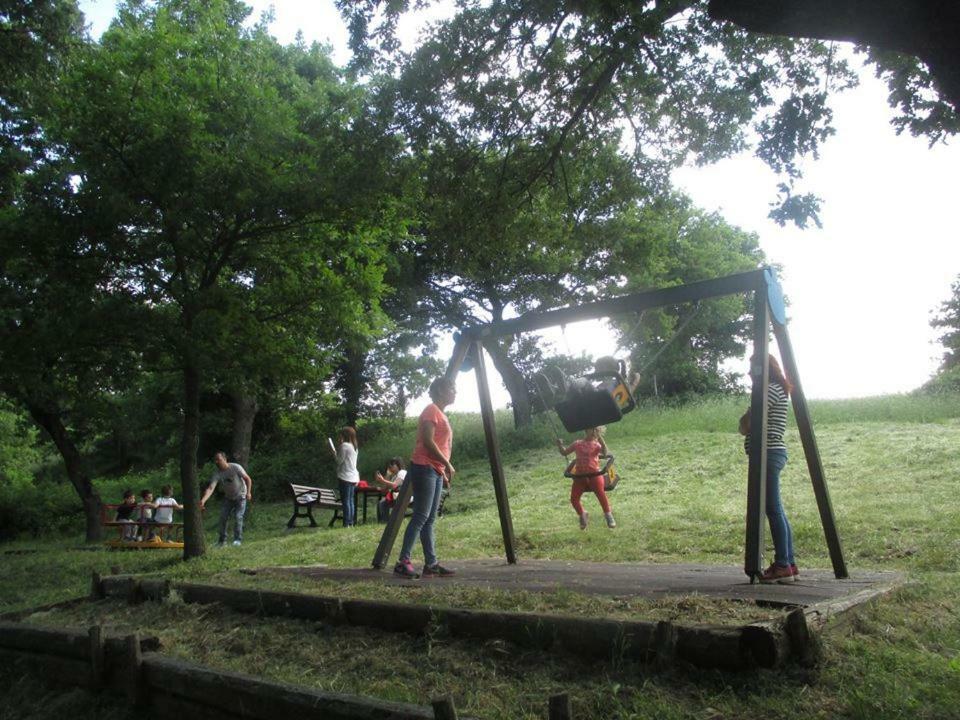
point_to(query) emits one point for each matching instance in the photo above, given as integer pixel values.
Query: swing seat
(589, 408)
(610, 476)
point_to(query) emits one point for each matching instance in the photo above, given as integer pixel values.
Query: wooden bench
(160, 532)
(305, 498)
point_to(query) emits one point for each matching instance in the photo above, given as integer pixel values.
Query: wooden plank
(443, 708)
(98, 665)
(64, 643)
(389, 537)
(250, 697)
(559, 708)
(691, 292)
(811, 453)
(66, 671)
(757, 471)
(133, 667)
(493, 453)
(260, 602)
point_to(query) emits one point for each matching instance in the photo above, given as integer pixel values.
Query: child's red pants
(593, 484)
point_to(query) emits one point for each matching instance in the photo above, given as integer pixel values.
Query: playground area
(812, 588)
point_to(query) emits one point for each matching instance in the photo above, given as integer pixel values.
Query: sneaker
(437, 570)
(583, 520)
(237, 543)
(611, 523)
(795, 571)
(404, 568)
(777, 574)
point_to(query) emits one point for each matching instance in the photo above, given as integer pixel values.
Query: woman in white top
(347, 475)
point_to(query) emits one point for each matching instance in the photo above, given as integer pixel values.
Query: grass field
(892, 465)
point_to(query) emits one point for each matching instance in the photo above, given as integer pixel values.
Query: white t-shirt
(347, 464)
(164, 513)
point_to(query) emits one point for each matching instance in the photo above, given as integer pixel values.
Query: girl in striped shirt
(783, 569)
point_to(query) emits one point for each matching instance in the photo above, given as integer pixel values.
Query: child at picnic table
(391, 483)
(145, 515)
(125, 514)
(588, 451)
(162, 509)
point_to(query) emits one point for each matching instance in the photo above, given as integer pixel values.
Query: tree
(691, 88)
(246, 188)
(555, 74)
(682, 245)
(914, 44)
(948, 320)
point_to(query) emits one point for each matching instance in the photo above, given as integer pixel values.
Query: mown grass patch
(891, 465)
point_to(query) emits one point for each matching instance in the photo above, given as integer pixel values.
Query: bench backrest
(304, 494)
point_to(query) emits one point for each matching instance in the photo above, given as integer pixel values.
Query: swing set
(600, 405)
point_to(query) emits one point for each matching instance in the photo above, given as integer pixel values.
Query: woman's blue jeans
(779, 525)
(427, 483)
(348, 497)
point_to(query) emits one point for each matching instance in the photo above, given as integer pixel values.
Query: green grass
(891, 464)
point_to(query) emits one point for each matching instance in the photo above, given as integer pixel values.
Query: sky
(862, 289)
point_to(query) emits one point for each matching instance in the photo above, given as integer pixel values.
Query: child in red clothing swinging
(588, 450)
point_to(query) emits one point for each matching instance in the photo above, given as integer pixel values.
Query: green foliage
(947, 319)
(554, 75)
(19, 454)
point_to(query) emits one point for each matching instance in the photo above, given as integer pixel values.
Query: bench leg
(336, 516)
(313, 523)
(293, 518)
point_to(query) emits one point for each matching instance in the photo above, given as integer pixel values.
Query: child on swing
(588, 450)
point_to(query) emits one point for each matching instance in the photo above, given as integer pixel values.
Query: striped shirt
(776, 418)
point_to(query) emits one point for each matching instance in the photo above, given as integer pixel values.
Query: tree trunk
(50, 421)
(193, 540)
(351, 381)
(245, 409)
(514, 381)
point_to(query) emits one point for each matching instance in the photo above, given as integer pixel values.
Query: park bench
(162, 535)
(305, 498)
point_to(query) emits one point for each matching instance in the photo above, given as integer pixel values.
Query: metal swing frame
(762, 283)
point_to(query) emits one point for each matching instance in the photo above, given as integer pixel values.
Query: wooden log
(65, 670)
(96, 586)
(388, 616)
(691, 292)
(249, 697)
(559, 708)
(155, 589)
(116, 586)
(804, 644)
(443, 708)
(134, 591)
(272, 604)
(757, 465)
(62, 643)
(711, 647)
(765, 644)
(493, 453)
(98, 665)
(133, 663)
(524, 629)
(837, 609)
(812, 453)
(665, 644)
(17, 615)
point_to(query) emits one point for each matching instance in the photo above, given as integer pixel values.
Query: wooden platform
(815, 587)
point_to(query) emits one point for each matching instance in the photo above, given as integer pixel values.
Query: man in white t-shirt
(237, 492)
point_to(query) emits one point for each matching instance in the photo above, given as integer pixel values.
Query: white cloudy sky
(861, 288)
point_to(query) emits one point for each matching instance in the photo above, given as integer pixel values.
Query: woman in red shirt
(429, 469)
(588, 450)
